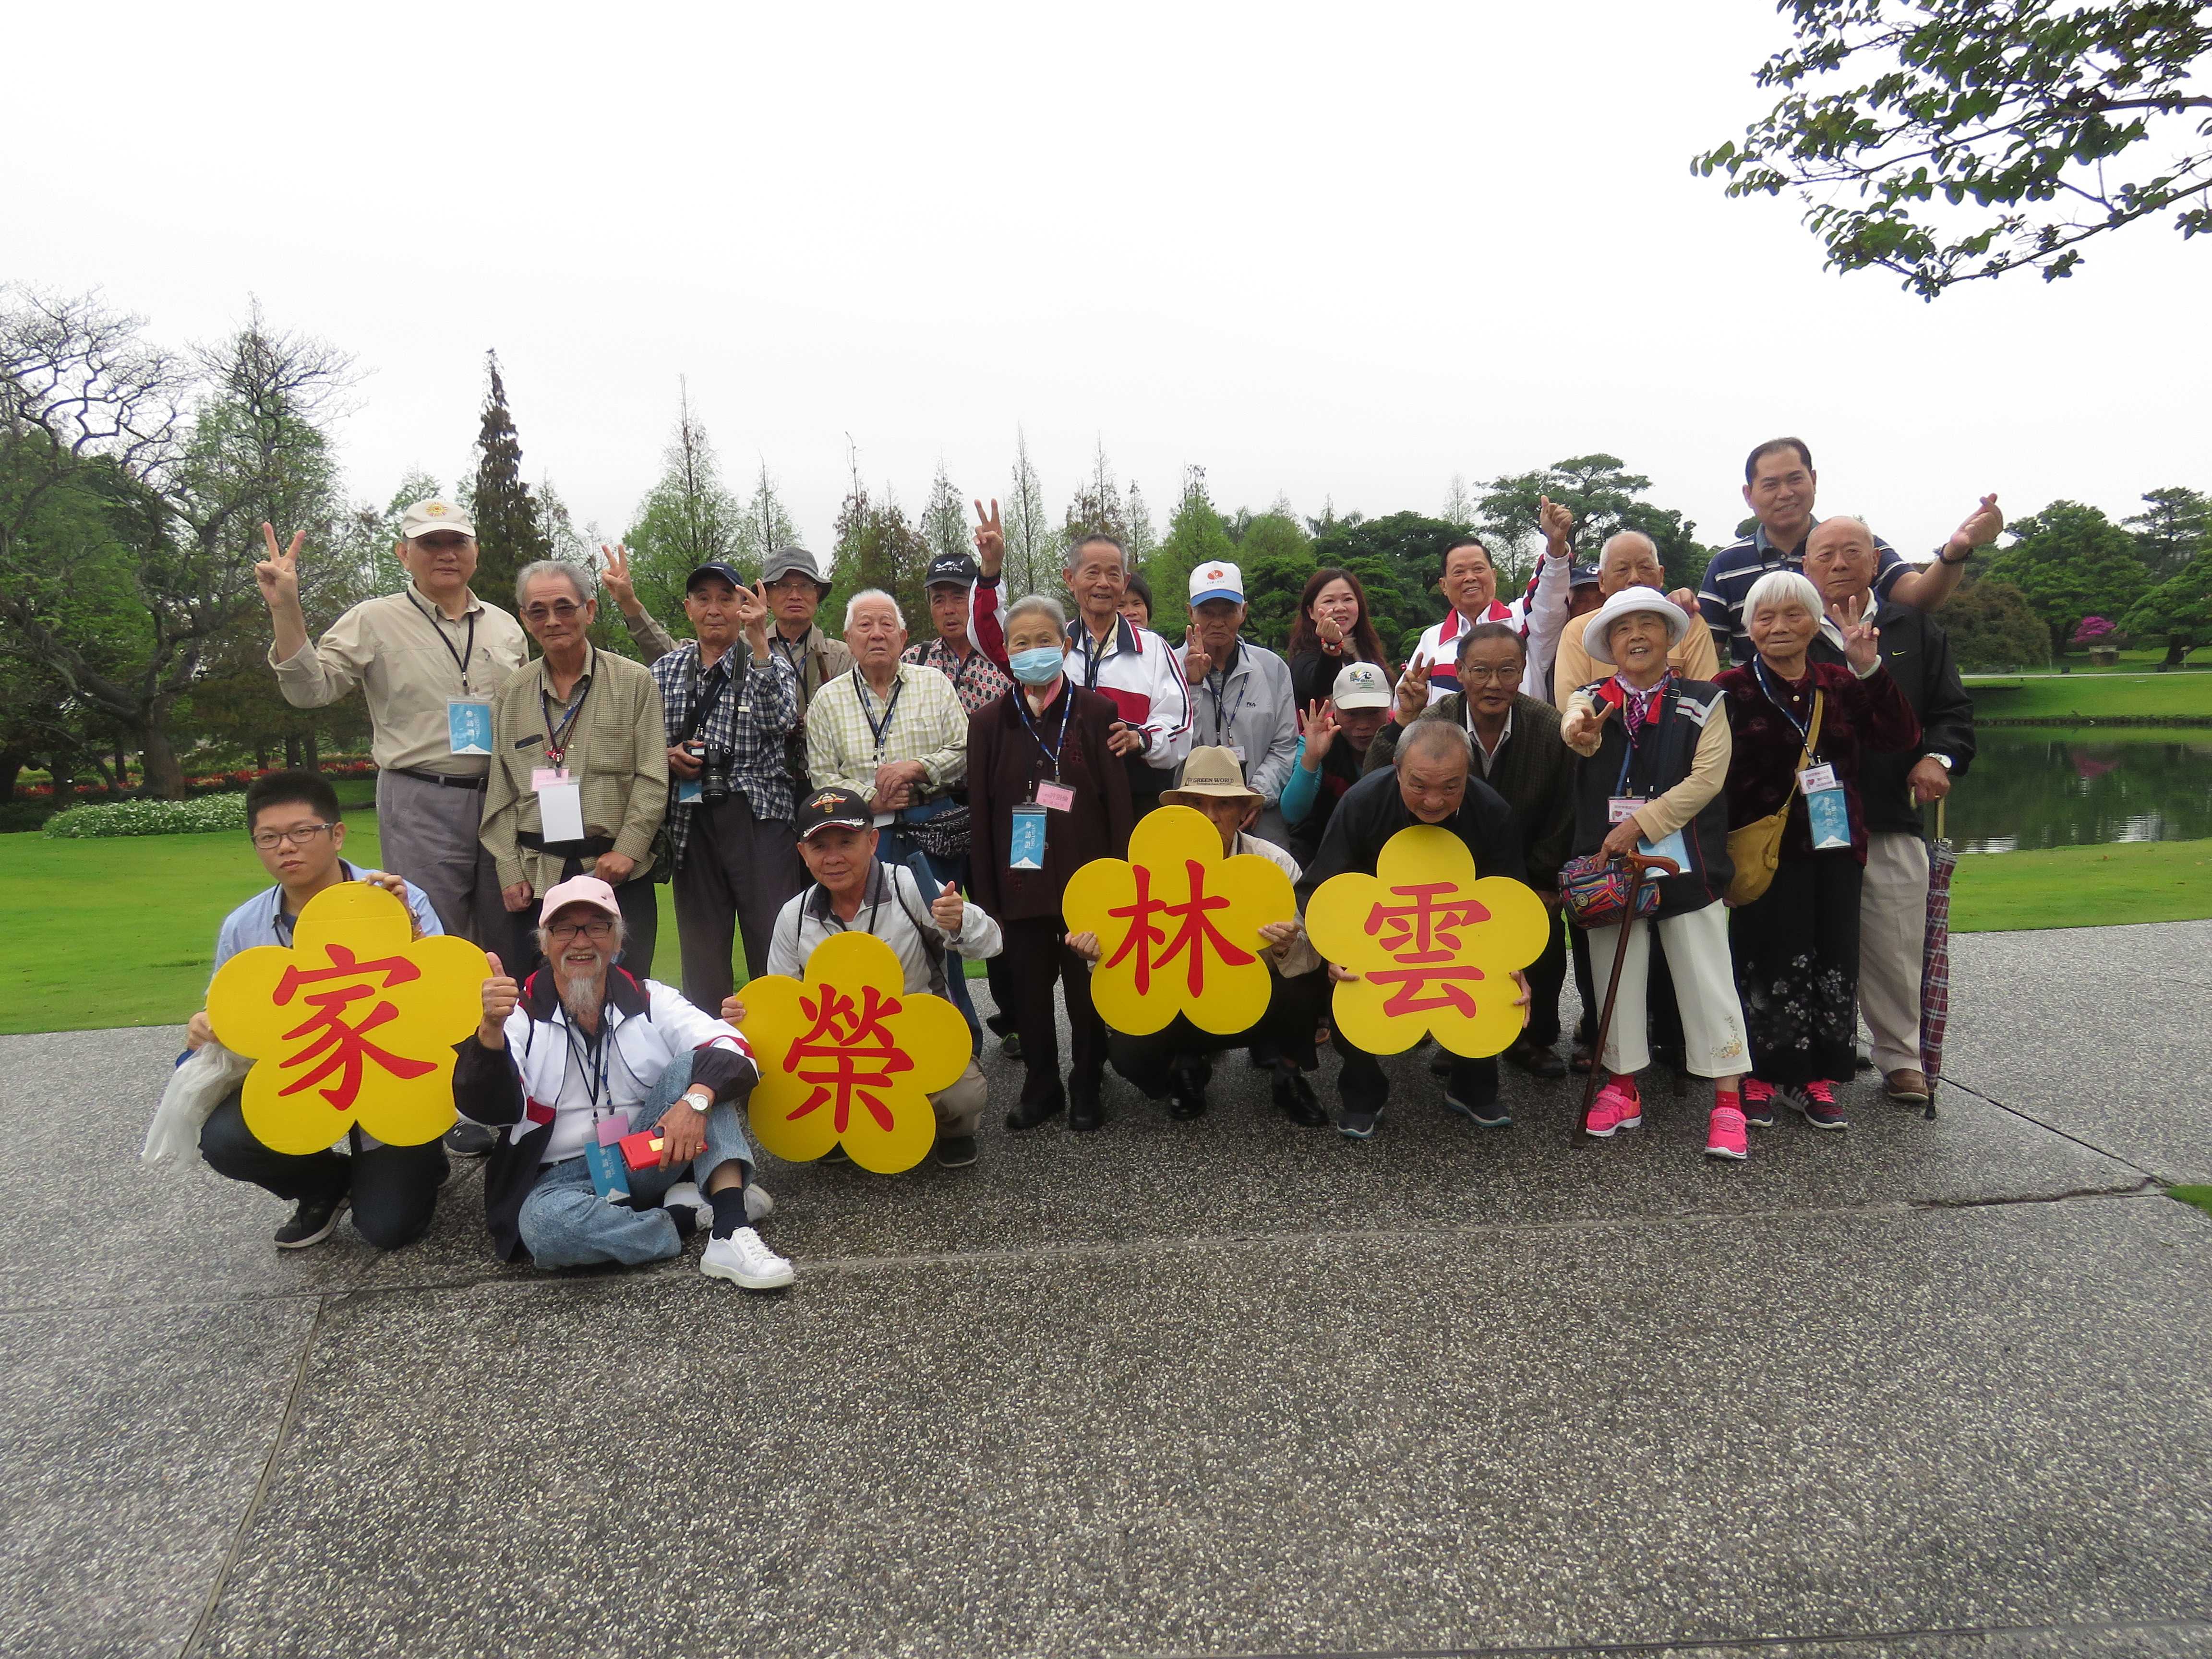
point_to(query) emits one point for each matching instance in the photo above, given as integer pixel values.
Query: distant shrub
(198, 815)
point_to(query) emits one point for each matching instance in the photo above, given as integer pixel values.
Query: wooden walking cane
(1639, 866)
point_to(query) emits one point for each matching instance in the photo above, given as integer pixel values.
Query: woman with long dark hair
(1332, 629)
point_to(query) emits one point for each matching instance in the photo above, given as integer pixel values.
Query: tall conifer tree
(509, 532)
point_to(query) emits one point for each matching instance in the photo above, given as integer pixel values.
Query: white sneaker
(742, 1258)
(686, 1196)
(758, 1205)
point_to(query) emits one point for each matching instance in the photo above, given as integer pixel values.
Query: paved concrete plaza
(1223, 1388)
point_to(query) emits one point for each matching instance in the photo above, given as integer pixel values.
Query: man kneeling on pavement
(1176, 1063)
(854, 892)
(582, 1054)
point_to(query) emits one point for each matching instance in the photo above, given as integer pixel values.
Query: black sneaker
(1010, 1044)
(1186, 1092)
(1442, 1061)
(1492, 1116)
(1294, 1099)
(467, 1139)
(311, 1223)
(1354, 1125)
(1085, 1115)
(956, 1152)
(1536, 1059)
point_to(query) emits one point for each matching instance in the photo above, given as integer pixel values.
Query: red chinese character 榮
(861, 1054)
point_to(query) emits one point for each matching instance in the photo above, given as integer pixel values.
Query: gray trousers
(430, 835)
(738, 872)
(1893, 946)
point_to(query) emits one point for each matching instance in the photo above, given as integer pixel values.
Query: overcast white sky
(1325, 251)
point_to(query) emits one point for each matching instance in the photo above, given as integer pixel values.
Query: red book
(642, 1150)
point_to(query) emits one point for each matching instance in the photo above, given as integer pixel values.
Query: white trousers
(1892, 947)
(1697, 946)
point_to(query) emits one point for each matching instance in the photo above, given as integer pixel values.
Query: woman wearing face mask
(1796, 946)
(1045, 795)
(1332, 631)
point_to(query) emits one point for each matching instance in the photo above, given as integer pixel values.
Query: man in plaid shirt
(729, 806)
(975, 677)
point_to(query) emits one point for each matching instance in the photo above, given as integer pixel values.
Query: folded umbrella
(1935, 961)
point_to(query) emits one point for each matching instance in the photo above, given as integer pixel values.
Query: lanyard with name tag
(468, 726)
(559, 802)
(1025, 844)
(1827, 813)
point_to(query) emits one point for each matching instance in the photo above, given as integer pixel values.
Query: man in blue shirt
(1778, 486)
(294, 820)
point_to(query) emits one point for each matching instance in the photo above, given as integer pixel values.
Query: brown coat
(1005, 764)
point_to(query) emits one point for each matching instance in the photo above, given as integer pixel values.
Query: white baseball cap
(1217, 582)
(427, 518)
(1361, 685)
(1628, 603)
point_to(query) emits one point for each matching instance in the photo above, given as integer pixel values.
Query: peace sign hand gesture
(1861, 639)
(616, 578)
(990, 540)
(1413, 690)
(1317, 725)
(279, 573)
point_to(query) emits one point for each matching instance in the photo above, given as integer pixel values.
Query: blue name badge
(687, 791)
(1830, 818)
(468, 726)
(610, 1180)
(1025, 846)
(1675, 847)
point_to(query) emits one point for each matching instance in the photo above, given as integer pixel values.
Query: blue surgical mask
(1037, 667)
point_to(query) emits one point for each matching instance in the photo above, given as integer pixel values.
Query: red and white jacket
(1537, 620)
(1136, 671)
(537, 1089)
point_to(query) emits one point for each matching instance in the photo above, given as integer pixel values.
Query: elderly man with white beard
(581, 1054)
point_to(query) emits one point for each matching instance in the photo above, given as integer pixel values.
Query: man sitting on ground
(854, 891)
(1176, 1063)
(583, 1053)
(293, 820)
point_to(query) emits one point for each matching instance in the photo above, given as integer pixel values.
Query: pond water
(2043, 786)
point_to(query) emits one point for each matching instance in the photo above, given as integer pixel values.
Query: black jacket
(1372, 811)
(1534, 773)
(1918, 654)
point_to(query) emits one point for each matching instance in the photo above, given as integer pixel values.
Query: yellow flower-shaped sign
(850, 1057)
(1435, 948)
(356, 1022)
(1179, 926)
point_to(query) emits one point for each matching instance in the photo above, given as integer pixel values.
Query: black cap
(715, 568)
(825, 807)
(958, 569)
(1582, 575)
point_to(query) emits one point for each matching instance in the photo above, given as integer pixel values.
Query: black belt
(589, 847)
(440, 778)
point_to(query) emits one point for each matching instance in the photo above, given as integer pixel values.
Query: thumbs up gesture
(948, 909)
(501, 993)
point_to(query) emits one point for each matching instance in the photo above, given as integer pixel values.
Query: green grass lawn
(2062, 697)
(123, 930)
(2083, 886)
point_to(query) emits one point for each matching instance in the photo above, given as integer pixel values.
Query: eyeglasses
(793, 584)
(537, 613)
(270, 840)
(1505, 675)
(562, 932)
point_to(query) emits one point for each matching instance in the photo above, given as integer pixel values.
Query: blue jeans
(895, 847)
(566, 1223)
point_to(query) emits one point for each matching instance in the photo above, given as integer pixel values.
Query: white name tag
(560, 803)
(1814, 778)
(1621, 808)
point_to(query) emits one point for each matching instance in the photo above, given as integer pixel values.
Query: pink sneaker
(1725, 1136)
(1615, 1108)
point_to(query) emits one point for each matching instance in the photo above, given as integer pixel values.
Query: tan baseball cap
(1211, 772)
(427, 518)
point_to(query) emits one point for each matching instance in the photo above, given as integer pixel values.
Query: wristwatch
(703, 1107)
(1943, 761)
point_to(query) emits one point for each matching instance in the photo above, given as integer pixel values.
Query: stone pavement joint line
(277, 1445)
(1949, 1082)
(1728, 1644)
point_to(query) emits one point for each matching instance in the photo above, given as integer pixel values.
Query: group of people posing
(941, 795)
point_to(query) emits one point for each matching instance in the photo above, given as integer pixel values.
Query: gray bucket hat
(785, 560)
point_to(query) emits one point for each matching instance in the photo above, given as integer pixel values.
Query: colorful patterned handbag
(1595, 890)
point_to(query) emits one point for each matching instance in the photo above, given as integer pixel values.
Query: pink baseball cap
(579, 889)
